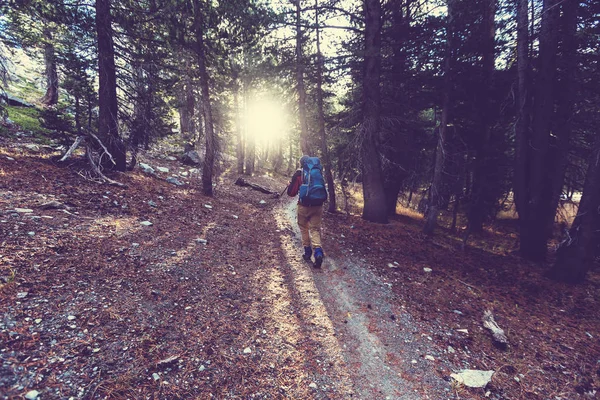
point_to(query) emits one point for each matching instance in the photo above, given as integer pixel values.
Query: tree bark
(522, 125)
(321, 118)
(576, 254)
(187, 104)
(534, 222)
(238, 122)
(374, 209)
(559, 149)
(108, 128)
(304, 138)
(480, 203)
(51, 96)
(250, 154)
(208, 168)
(440, 153)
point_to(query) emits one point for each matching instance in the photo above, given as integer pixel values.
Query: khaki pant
(309, 221)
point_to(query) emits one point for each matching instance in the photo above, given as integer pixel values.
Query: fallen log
(242, 182)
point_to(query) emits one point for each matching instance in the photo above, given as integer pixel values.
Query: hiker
(308, 182)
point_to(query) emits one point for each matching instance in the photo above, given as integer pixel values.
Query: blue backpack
(312, 190)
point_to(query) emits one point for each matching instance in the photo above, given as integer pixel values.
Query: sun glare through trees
(266, 121)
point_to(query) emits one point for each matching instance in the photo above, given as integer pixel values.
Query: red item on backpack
(295, 183)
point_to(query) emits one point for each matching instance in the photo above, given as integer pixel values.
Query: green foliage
(28, 119)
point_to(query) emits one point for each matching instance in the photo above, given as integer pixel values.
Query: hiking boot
(307, 253)
(318, 257)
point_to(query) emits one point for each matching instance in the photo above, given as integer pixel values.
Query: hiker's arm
(294, 185)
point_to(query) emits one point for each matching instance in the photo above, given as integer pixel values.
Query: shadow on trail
(355, 320)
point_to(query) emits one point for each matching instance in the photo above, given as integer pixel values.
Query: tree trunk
(534, 222)
(321, 118)
(522, 125)
(576, 254)
(374, 209)
(187, 104)
(51, 96)
(559, 150)
(238, 123)
(250, 154)
(401, 148)
(77, 115)
(108, 128)
(440, 152)
(304, 138)
(480, 203)
(208, 168)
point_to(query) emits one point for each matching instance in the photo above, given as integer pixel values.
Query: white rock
(247, 350)
(427, 270)
(22, 295)
(71, 317)
(235, 216)
(171, 158)
(146, 168)
(430, 358)
(202, 368)
(146, 223)
(451, 349)
(202, 241)
(38, 320)
(10, 158)
(155, 376)
(135, 245)
(413, 361)
(32, 394)
(183, 173)
(95, 350)
(390, 265)
(465, 331)
(163, 169)
(473, 378)
(23, 210)
(208, 206)
(262, 202)
(174, 181)
(313, 385)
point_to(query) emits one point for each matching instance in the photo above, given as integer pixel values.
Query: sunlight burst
(266, 121)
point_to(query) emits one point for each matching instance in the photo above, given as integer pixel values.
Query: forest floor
(212, 300)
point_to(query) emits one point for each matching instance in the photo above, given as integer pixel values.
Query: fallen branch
(73, 147)
(242, 182)
(112, 160)
(97, 170)
(497, 333)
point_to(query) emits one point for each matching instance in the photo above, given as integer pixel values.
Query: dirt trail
(211, 300)
(376, 338)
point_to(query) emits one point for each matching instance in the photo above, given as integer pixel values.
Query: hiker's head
(303, 159)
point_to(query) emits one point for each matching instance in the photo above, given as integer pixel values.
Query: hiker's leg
(303, 224)
(316, 215)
